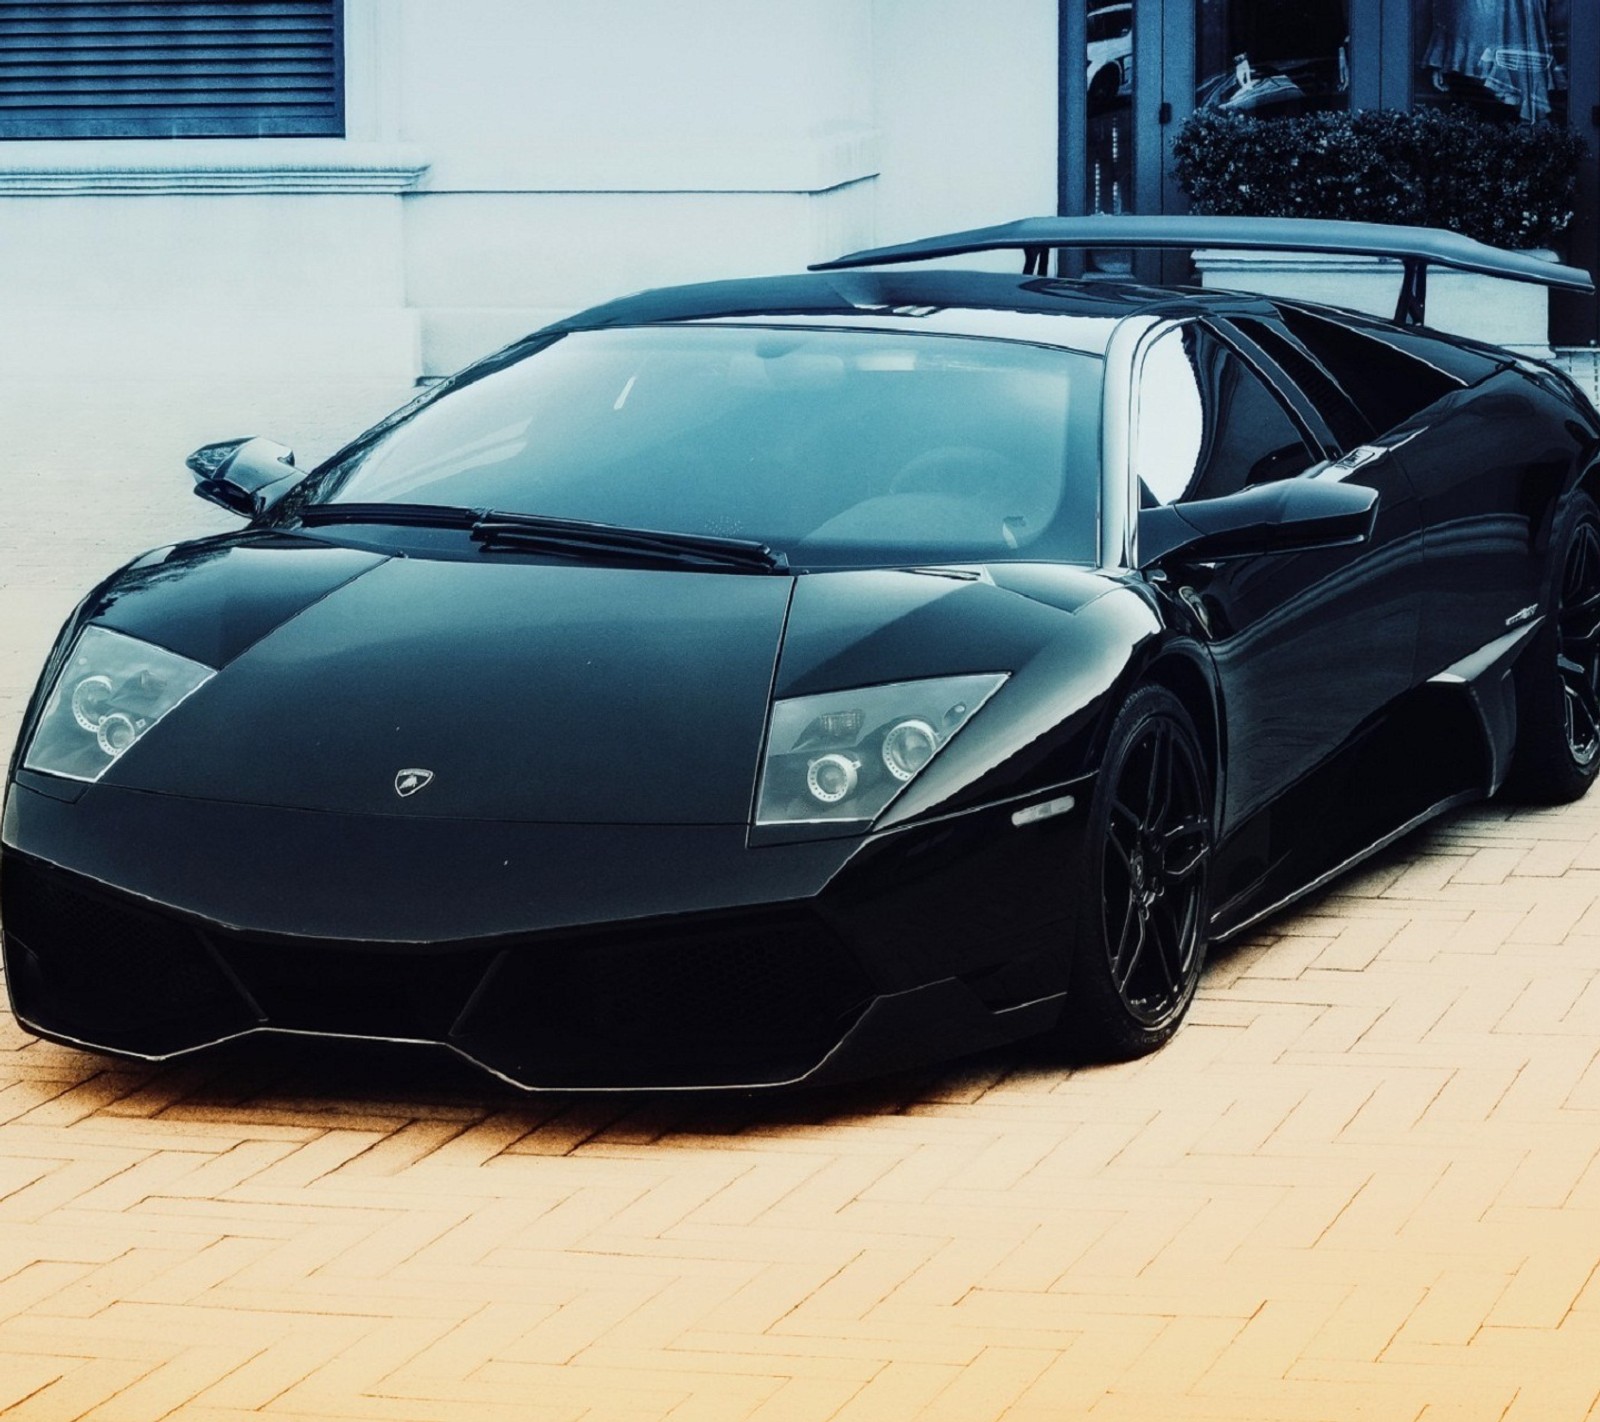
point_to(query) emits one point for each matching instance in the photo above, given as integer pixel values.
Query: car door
(1488, 453)
(1308, 646)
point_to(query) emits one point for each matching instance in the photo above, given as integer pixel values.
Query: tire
(1142, 884)
(1557, 754)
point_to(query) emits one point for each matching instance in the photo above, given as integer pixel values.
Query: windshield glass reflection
(836, 446)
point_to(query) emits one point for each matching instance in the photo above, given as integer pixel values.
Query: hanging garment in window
(1502, 44)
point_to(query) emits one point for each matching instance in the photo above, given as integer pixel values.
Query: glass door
(1111, 64)
(1108, 128)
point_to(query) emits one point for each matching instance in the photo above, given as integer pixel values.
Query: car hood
(518, 690)
(527, 690)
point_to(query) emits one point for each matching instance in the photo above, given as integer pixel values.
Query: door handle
(1364, 454)
(1361, 455)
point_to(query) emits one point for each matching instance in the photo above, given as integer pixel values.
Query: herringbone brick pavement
(1364, 1182)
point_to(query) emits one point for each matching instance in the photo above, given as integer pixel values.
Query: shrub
(1509, 184)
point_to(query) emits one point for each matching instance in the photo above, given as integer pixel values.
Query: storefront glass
(1272, 57)
(1510, 61)
(1110, 89)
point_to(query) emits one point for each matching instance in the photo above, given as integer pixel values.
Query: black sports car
(784, 680)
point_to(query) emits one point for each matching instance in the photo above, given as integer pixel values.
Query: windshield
(836, 447)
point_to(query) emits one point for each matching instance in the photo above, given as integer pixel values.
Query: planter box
(1508, 313)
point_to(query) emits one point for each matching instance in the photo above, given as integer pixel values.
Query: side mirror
(244, 476)
(1285, 516)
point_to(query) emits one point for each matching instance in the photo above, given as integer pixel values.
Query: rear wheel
(1558, 679)
(1142, 889)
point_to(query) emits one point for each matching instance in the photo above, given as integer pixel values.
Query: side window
(1344, 420)
(1390, 374)
(1205, 424)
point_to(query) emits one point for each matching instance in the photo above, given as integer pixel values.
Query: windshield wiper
(494, 528)
(579, 536)
(410, 515)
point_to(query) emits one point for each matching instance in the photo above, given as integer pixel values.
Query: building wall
(966, 115)
(580, 151)
(508, 161)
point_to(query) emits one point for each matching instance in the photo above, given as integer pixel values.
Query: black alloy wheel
(1558, 676)
(1142, 928)
(1578, 643)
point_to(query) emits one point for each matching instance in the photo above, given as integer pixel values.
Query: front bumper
(612, 958)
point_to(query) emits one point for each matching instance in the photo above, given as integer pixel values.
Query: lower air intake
(705, 1001)
(95, 967)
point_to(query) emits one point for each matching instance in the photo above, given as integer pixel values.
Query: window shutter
(170, 68)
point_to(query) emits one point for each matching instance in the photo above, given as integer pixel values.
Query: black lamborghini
(785, 680)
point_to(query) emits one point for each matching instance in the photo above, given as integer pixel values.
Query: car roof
(970, 303)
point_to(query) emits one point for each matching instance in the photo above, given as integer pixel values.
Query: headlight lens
(846, 755)
(111, 690)
(907, 747)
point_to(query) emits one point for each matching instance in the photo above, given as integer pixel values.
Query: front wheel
(1142, 883)
(1557, 753)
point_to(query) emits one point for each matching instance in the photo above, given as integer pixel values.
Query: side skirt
(1452, 802)
(1446, 744)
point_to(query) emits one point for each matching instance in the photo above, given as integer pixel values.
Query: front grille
(100, 967)
(746, 998)
(381, 990)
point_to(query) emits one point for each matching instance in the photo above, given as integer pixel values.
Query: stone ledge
(89, 168)
(810, 164)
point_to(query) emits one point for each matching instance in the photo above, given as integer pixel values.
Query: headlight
(846, 755)
(111, 690)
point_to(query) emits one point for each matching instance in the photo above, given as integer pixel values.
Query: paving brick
(1086, 1368)
(806, 1399)
(988, 1385)
(1567, 1396)
(1453, 1309)
(23, 1377)
(255, 1384)
(1544, 1289)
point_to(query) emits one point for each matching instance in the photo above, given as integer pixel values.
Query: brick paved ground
(1363, 1182)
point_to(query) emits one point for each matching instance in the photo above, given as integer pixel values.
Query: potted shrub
(1509, 184)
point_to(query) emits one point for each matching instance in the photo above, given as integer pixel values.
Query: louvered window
(170, 68)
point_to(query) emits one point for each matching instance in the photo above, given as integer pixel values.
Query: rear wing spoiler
(1415, 248)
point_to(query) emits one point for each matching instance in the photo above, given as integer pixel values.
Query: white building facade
(467, 170)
